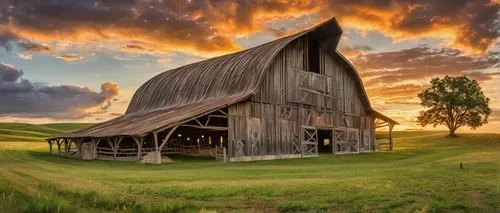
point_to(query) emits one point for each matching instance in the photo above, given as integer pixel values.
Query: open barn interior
(324, 141)
(199, 137)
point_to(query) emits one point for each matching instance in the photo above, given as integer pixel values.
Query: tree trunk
(452, 132)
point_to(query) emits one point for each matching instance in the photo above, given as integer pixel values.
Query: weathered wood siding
(290, 97)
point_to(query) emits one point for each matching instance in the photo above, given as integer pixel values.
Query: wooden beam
(380, 126)
(79, 143)
(138, 141)
(220, 128)
(117, 141)
(168, 137)
(65, 146)
(359, 140)
(391, 126)
(199, 123)
(188, 120)
(224, 113)
(97, 142)
(93, 142)
(58, 141)
(111, 143)
(157, 152)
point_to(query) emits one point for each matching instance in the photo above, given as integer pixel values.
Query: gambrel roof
(192, 90)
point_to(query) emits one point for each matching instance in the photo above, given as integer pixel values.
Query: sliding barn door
(346, 140)
(309, 144)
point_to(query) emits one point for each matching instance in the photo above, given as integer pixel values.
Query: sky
(81, 61)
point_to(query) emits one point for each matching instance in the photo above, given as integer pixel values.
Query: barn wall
(276, 114)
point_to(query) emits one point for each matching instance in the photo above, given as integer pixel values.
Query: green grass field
(421, 175)
(19, 132)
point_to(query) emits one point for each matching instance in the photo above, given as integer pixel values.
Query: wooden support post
(95, 147)
(164, 142)
(373, 139)
(58, 141)
(317, 143)
(111, 144)
(224, 154)
(115, 148)
(391, 125)
(139, 141)
(92, 148)
(117, 145)
(79, 147)
(157, 159)
(78, 144)
(333, 140)
(114, 143)
(65, 147)
(359, 140)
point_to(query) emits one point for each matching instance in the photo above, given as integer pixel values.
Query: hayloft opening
(313, 55)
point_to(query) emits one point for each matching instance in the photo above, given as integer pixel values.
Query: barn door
(254, 136)
(309, 144)
(366, 144)
(346, 140)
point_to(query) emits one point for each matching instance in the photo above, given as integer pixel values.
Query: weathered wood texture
(278, 95)
(292, 101)
(215, 82)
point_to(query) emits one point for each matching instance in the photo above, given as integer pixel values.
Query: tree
(454, 102)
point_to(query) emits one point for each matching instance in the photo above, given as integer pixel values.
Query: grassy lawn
(421, 175)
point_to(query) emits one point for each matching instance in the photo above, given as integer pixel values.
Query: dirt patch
(475, 196)
(260, 206)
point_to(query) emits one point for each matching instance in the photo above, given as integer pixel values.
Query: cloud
(396, 94)
(70, 57)
(354, 51)
(134, 48)
(495, 116)
(164, 60)
(278, 32)
(34, 47)
(209, 27)
(25, 56)
(164, 26)
(398, 76)
(124, 58)
(423, 63)
(23, 98)
(470, 25)
(9, 39)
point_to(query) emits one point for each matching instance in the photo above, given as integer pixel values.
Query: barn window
(313, 55)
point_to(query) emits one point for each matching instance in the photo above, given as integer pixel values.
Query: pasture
(421, 175)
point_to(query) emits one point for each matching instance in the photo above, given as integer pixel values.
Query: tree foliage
(454, 102)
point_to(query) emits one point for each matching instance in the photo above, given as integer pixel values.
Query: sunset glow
(81, 61)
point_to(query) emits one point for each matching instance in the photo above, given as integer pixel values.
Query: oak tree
(454, 102)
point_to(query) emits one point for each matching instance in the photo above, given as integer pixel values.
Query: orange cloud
(469, 25)
(397, 77)
(353, 51)
(207, 28)
(134, 48)
(70, 57)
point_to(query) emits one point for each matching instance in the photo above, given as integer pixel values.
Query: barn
(294, 97)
